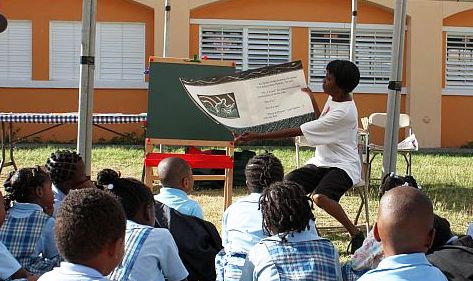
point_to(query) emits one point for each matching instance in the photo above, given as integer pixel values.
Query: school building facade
(39, 73)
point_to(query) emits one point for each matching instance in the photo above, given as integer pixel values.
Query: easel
(203, 161)
(174, 120)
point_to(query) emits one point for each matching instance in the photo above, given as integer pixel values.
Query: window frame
(245, 40)
(456, 90)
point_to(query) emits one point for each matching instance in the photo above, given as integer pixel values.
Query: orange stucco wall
(300, 10)
(456, 120)
(41, 12)
(66, 100)
(456, 110)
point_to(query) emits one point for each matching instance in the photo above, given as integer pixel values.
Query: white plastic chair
(405, 148)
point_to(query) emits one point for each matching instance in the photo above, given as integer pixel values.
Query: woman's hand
(246, 137)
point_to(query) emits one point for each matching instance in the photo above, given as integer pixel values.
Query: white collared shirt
(73, 272)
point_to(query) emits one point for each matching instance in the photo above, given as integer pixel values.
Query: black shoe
(356, 242)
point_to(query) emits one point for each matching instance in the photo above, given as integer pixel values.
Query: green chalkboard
(171, 112)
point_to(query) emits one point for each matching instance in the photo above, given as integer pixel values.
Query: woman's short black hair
(131, 192)
(62, 165)
(87, 221)
(19, 184)
(262, 170)
(286, 208)
(346, 73)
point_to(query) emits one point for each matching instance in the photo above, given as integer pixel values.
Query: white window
(326, 45)
(16, 51)
(248, 47)
(459, 60)
(64, 50)
(119, 52)
(373, 53)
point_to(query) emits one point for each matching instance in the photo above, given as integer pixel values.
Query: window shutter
(222, 43)
(16, 51)
(326, 45)
(120, 52)
(373, 55)
(459, 60)
(64, 50)
(268, 46)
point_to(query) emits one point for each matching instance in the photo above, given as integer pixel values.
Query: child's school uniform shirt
(413, 267)
(28, 233)
(150, 254)
(178, 200)
(334, 134)
(8, 264)
(58, 198)
(305, 256)
(242, 224)
(73, 272)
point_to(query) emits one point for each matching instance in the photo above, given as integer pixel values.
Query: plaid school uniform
(308, 260)
(21, 235)
(229, 265)
(133, 245)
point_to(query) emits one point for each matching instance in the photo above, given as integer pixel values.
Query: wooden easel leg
(149, 177)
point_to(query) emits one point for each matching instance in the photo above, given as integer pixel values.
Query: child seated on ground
(242, 223)
(294, 251)
(10, 268)
(405, 228)
(371, 253)
(150, 253)
(67, 171)
(90, 232)
(175, 175)
(454, 257)
(28, 232)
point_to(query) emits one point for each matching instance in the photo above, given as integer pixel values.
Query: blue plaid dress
(308, 260)
(21, 235)
(133, 245)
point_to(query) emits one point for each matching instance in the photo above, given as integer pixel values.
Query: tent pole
(86, 87)
(167, 18)
(354, 16)
(391, 134)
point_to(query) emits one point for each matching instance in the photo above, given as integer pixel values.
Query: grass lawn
(446, 178)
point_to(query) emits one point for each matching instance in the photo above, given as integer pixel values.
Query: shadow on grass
(450, 197)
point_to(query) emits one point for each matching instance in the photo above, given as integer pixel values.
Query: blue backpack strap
(133, 246)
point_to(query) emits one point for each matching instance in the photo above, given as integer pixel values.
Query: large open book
(260, 100)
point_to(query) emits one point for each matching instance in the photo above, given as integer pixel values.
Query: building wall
(47, 99)
(435, 113)
(456, 107)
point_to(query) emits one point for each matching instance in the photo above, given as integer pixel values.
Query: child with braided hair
(242, 223)
(28, 231)
(294, 251)
(10, 268)
(150, 253)
(67, 171)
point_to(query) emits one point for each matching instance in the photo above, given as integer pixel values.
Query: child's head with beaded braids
(285, 209)
(29, 185)
(67, 171)
(262, 170)
(135, 197)
(392, 180)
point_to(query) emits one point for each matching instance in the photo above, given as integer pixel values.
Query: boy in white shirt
(336, 166)
(90, 233)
